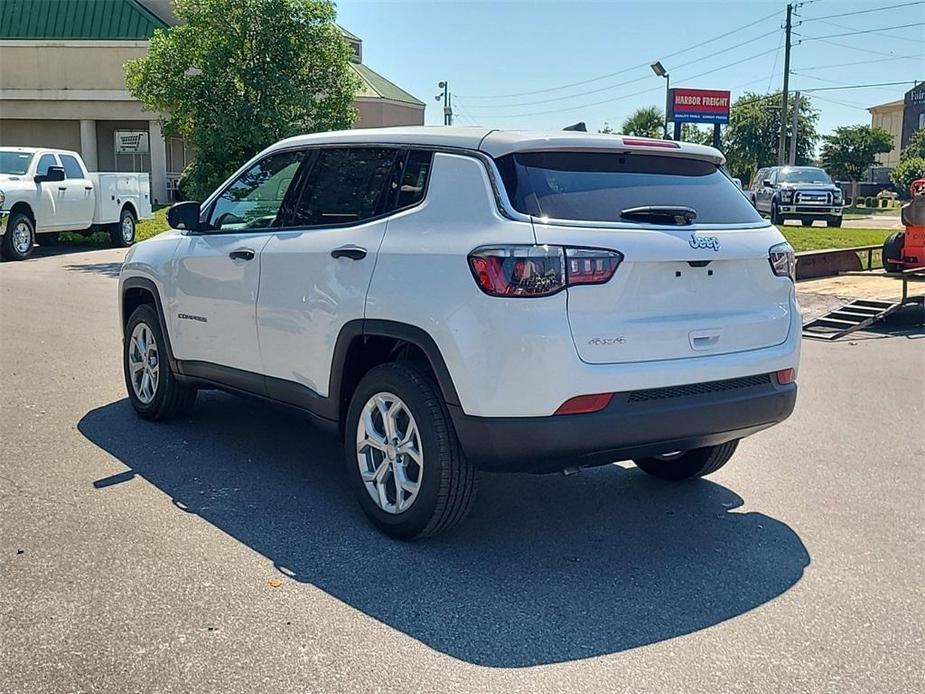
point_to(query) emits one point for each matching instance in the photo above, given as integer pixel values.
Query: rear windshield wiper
(660, 214)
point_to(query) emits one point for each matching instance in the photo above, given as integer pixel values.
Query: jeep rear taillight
(532, 271)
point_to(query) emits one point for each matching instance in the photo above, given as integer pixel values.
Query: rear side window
(598, 186)
(414, 178)
(71, 166)
(345, 186)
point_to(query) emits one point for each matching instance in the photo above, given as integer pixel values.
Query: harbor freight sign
(698, 106)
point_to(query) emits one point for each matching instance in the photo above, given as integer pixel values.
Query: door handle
(62, 187)
(352, 252)
(88, 187)
(241, 254)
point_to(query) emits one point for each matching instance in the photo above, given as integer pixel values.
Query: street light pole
(447, 103)
(659, 70)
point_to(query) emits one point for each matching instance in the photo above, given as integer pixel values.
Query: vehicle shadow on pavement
(546, 569)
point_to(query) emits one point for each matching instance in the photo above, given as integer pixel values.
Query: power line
(624, 70)
(774, 66)
(860, 31)
(623, 84)
(861, 86)
(862, 50)
(864, 62)
(878, 33)
(849, 14)
(627, 96)
(839, 103)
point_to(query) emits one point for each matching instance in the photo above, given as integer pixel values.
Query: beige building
(889, 116)
(62, 85)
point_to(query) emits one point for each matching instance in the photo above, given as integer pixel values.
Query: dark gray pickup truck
(806, 193)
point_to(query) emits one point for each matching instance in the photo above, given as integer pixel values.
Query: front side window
(607, 186)
(14, 163)
(45, 161)
(254, 199)
(344, 186)
(71, 167)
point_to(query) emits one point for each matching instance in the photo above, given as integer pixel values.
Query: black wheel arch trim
(148, 286)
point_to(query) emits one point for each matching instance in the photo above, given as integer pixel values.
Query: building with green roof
(62, 85)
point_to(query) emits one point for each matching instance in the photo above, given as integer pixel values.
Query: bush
(871, 201)
(884, 202)
(906, 172)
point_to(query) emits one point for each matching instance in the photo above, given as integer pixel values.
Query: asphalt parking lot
(223, 552)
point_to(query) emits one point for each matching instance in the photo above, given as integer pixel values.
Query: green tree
(645, 122)
(907, 171)
(915, 147)
(237, 75)
(750, 141)
(697, 135)
(851, 150)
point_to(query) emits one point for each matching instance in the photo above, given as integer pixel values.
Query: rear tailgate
(678, 293)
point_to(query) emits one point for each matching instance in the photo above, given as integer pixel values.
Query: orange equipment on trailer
(906, 249)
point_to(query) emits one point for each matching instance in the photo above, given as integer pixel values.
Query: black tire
(833, 222)
(447, 479)
(696, 463)
(893, 248)
(119, 238)
(12, 247)
(775, 215)
(49, 239)
(171, 397)
(806, 222)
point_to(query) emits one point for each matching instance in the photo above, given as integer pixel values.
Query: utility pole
(447, 102)
(794, 129)
(782, 143)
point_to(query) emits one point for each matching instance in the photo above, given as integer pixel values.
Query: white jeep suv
(449, 299)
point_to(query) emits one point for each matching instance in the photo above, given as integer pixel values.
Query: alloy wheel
(22, 237)
(128, 228)
(389, 453)
(144, 365)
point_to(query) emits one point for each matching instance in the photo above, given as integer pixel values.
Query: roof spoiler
(577, 127)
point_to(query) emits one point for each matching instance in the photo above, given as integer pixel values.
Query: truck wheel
(806, 222)
(775, 215)
(49, 239)
(153, 389)
(833, 222)
(893, 248)
(684, 465)
(19, 238)
(122, 233)
(404, 461)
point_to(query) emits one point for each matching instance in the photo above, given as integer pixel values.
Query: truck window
(71, 166)
(45, 161)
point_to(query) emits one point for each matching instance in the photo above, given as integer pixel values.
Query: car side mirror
(767, 183)
(184, 215)
(54, 173)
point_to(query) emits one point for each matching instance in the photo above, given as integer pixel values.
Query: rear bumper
(634, 424)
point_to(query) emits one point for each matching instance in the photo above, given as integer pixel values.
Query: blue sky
(506, 49)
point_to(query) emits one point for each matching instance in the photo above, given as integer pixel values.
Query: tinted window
(803, 174)
(414, 178)
(597, 186)
(759, 178)
(254, 199)
(71, 166)
(14, 163)
(344, 186)
(45, 161)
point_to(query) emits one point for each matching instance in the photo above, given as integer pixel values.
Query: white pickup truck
(46, 191)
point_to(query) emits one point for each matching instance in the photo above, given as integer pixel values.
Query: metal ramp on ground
(857, 315)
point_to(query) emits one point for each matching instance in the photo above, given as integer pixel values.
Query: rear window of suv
(598, 186)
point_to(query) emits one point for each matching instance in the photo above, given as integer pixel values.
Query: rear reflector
(582, 404)
(785, 376)
(644, 142)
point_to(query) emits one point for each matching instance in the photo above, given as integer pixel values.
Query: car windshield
(14, 163)
(621, 187)
(803, 175)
